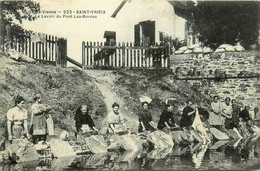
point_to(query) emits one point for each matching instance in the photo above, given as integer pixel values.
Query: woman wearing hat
(38, 119)
(145, 119)
(17, 120)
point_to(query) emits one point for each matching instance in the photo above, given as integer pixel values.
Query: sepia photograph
(129, 85)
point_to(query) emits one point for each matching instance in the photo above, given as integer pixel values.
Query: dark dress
(186, 120)
(166, 116)
(244, 114)
(145, 117)
(203, 113)
(235, 115)
(82, 119)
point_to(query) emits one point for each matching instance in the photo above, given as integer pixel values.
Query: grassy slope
(157, 84)
(63, 89)
(66, 89)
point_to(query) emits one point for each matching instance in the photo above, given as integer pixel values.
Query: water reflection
(238, 154)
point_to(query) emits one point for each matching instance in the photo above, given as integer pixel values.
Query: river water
(243, 154)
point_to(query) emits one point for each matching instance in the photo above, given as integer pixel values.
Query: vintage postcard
(129, 85)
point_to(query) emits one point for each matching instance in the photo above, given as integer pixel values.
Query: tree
(219, 22)
(16, 10)
(226, 22)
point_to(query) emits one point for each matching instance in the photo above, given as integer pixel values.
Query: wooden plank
(124, 60)
(135, 58)
(87, 52)
(26, 46)
(83, 54)
(102, 57)
(16, 44)
(139, 58)
(142, 58)
(90, 53)
(94, 52)
(127, 55)
(98, 50)
(33, 50)
(49, 43)
(46, 48)
(43, 52)
(40, 51)
(119, 60)
(56, 57)
(19, 44)
(111, 60)
(131, 55)
(52, 49)
(30, 48)
(36, 51)
(65, 53)
(74, 62)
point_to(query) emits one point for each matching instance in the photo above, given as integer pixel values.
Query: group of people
(17, 124)
(117, 122)
(222, 116)
(228, 115)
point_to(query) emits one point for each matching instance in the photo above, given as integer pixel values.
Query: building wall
(159, 11)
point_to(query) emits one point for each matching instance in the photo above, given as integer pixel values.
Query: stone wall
(229, 74)
(231, 64)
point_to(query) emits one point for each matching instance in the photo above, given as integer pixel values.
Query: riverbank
(64, 89)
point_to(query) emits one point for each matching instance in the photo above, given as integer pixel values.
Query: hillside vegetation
(158, 84)
(66, 89)
(63, 89)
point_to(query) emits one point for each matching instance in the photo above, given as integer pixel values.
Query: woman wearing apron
(38, 120)
(17, 120)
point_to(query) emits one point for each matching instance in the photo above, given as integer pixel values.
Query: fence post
(123, 54)
(62, 52)
(83, 54)
(65, 53)
(168, 54)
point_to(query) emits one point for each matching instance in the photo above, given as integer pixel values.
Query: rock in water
(61, 148)
(29, 154)
(62, 163)
(161, 139)
(96, 144)
(218, 134)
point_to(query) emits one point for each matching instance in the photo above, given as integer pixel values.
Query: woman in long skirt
(38, 120)
(215, 118)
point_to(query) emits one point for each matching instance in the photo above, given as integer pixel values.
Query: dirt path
(104, 81)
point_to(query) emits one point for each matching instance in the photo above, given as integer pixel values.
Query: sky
(76, 30)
